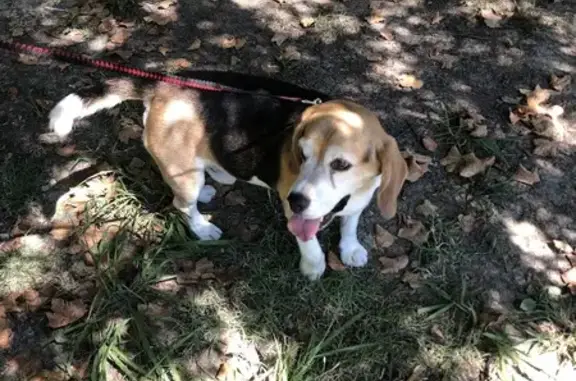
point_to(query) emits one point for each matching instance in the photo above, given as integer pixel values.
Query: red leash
(110, 66)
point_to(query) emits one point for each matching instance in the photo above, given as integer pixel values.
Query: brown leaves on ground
(160, 13)
(543, 120)
(228, 42)
(467, 165)
(560, 83)
(475, 124)
(414, 231)
(65, 313)
(429, 143)
(193, 272)
(427, 209)
(525, 176)
(417, 165)
(382, 237)
(393, 265)
(467, 222)
(129, 130)
(334, 262)
(412, 279)
(410, 81)
(195, 45)
(307, 22)
(494, 19)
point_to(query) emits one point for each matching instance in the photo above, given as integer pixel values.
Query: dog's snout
(298, 202)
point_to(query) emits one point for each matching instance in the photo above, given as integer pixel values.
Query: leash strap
(198, 84)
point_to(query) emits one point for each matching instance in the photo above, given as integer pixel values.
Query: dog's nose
(298, 202)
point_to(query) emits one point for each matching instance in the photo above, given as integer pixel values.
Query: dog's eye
(340, 165)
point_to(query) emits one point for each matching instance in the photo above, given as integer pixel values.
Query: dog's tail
(82, 104)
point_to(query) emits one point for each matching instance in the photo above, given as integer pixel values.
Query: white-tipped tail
(64, 113)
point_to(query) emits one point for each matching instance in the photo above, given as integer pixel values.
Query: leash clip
(316, 101)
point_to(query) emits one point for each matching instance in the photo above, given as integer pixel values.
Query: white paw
(353, 254)
(207, 193)
(312, 270)
(205, 230)
(63, 114)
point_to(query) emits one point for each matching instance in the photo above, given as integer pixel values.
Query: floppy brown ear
(394, 171)
(295, 154)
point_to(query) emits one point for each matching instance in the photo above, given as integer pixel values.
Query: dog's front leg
(352, 252)
(188, 190)
(312, 259)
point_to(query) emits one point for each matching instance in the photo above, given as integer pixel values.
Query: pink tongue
(304, 229)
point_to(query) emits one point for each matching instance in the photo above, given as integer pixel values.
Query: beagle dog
(324, 160)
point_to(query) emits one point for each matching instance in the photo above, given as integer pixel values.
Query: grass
(352, 325)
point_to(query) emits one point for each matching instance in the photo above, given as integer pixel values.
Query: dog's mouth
(306, 228)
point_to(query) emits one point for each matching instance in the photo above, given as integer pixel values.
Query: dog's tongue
(302, 228)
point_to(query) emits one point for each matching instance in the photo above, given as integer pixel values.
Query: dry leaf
(560, 83)
(569, 277)
(180, 63)
(526, 177)
(536, 97)
(28, 59)
(167, 285)
(415, 170)
(5, 338)
(513, 116)
(64, 313)
(374, 19)
(427, 209)
(291, 53)
(383, 237)
(334, 262)
(547, 126)
(307, 22)
(386, 34)
(480, 131)
(195, 45)
(467, 222)
(491, 18)
(437, 18)
(410, 81)
(279, 39)
(415, 231)
(94, 234)
(545, 147)
(452, 159)
(412, 279)
(429, 143)
(393, 265)
(163, 50)
(473, 166)
(437, 333)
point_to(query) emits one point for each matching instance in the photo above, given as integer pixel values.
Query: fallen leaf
(545, 147)
(536, 97)
(279, 39)
(491, 18)
(528, 305)
(334, 262)
(412, 279)
(167, 285)
(467, 222)
(181, 63)
(225, 372)
(437, 333)
(64, 313)
(415, 231)
(374, 19)
(393, 265)
(240, 42)
(124, 54)
(28, 59)
(307, 22)
(427, 209)
(410, 81)
(480, 131)
(562, 246)
(386, 34)
(513, 116)
(559, 83)
(129, 130)
(437, 18)
(94, 234)
(452, 159)
(415, 170)
(163, 50)
(569, 277)
(429, 143)
(32, 299)
(5, 338)
(195, 45)
(547, 126)
(383, 237)
(417, 373)
(473, 166)
(525, 176)
(228, 42)
(291, 53)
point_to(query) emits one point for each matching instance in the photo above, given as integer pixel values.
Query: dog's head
(339, 150)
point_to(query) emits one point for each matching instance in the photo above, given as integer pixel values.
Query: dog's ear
(295, 155)
(394, 171)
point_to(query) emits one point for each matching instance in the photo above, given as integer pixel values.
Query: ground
(100, 278)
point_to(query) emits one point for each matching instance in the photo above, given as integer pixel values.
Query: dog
(324, 160)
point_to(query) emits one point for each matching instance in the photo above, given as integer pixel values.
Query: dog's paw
(62, 116)
(206, 231)
(207, 193)
(353, 254)
(312, 270)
